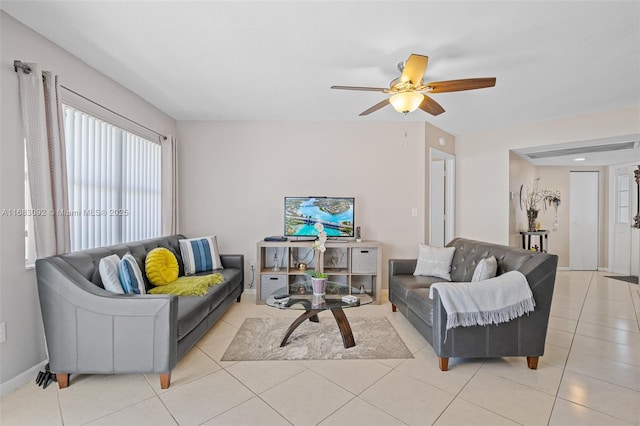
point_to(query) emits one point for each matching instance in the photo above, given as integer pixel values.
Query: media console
(357, 266)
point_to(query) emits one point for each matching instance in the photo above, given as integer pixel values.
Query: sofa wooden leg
(532, 362)
(443, 363)
(238, 298)
(63, 380)
(165, 380)
(393, 308)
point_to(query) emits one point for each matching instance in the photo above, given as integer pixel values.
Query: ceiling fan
(409, 92)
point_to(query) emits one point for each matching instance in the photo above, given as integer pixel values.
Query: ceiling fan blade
(376, 107)
(431, 106)
(464, 84)
(414, 69)
(366, 89)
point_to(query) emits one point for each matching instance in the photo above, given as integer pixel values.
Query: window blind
(114, 179)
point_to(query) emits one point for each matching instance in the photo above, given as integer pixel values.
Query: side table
(542, 234)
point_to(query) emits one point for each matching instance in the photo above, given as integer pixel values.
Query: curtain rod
(27, 70)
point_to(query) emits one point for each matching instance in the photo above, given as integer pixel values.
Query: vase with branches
(532, 198)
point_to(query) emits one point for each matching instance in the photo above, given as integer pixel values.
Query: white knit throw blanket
(491, 301)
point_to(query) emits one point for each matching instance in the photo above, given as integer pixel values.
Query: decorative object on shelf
(302, 266)
(276, 262)
(636, 218)
(307, 259)
(532, 215)
(530, 199)
(335, 258)
(322, 238)
(362, 289)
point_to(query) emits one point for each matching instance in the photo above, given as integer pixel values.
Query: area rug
(259, 339)
(633, 279)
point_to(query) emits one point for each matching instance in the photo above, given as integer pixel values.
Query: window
(622, 206)
(114, 180)
(114, 183)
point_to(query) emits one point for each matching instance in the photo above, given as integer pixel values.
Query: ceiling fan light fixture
(406, 102)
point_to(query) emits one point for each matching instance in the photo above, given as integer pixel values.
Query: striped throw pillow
(131, 275)
(200, 255)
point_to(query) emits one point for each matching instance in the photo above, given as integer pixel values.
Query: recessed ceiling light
(579, 159)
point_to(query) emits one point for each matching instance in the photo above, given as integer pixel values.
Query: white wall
(521, 172)
(19, 305)
(482, 168)
(234, 176)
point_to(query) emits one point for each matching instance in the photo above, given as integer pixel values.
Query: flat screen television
(337, 214)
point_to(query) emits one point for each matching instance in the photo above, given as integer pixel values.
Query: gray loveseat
(523, 336)
(90, 330)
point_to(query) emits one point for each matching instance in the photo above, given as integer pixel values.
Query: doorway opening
(441, 197)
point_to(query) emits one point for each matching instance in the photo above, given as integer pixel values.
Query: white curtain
(169, 186)
(45, 147)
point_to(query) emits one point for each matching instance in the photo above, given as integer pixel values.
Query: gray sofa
(523, 336)
(90, 330)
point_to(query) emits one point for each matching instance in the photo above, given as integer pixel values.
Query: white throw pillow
(200, 255)
(486, 268)
(434, 261)
(108, 268)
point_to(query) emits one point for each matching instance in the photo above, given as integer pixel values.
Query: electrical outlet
(3, 332)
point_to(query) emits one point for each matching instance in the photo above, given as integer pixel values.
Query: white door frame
(450, 195)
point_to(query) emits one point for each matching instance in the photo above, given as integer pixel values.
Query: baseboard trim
(21, 379)
(384, 295)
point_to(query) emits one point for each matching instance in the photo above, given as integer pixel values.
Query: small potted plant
(318, 282)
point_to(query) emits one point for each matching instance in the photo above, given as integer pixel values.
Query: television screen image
(302, 213)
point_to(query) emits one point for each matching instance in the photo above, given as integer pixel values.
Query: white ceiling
(275, 61)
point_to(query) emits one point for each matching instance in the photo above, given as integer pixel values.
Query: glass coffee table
(312, 305)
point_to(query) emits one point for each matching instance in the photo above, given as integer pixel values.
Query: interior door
(583, 227)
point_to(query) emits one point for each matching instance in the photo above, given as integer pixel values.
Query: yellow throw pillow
(161, 266)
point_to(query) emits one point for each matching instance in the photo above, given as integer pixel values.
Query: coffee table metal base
(312, 315)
